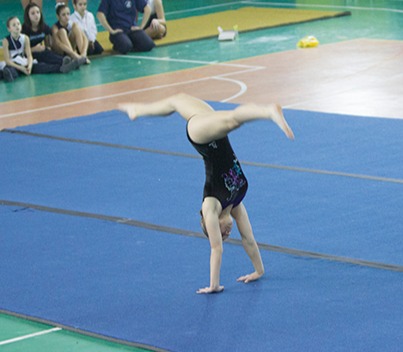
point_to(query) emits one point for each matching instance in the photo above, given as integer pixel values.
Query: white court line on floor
(243, 69)
(30, 336)
(242, 85)
(200, 62)
(134, 57)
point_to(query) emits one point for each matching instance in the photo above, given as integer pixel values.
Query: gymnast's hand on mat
(248, 278)
(211, 289)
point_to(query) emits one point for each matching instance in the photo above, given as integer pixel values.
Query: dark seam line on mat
(249, 163)
(82, 332)
(149, 226)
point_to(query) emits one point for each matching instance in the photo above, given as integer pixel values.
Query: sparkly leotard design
(234, 180)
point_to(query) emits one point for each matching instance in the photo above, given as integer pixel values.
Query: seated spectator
(68, 38)
(119, 18)
(155, 25)
(86, 21)
(40, 36)
(18, 57)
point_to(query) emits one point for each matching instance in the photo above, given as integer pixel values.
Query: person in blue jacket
(119, 18)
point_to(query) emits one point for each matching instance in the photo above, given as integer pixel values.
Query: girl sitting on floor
(154, 23)
(68, 38)
(40, 36)
(18, 56)
(86, 21)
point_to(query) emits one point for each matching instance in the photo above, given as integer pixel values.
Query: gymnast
(225, 185)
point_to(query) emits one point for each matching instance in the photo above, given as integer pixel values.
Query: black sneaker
(66, 60)
(8, 74)
(82, 61)
(68, 65)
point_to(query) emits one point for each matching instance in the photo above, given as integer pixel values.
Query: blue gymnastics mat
(138, 285)
(336, 189)
(92, 210)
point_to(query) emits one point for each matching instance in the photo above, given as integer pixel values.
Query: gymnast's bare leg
(206, 124)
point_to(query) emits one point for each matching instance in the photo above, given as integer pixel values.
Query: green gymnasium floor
(382, 20)
(18, 335)
(374, 19)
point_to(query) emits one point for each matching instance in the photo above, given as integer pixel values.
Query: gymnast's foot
(129, 109)
(276, 114)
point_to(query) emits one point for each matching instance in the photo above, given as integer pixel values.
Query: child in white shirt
(86, 21)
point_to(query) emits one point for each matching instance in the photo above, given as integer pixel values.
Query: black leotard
(225, 179)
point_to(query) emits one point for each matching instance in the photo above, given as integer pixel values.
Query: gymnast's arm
(210, 211)
(249, 243)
